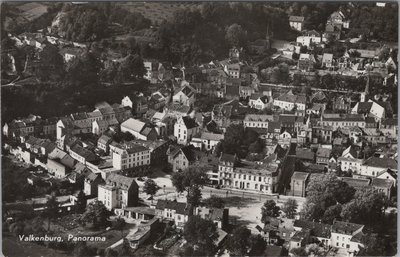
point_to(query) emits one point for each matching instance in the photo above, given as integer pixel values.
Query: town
(199, 129)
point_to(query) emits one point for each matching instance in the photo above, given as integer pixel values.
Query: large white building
(128, 156)
(309, 37)
(290, 101)
(257, 120)
(118, 192)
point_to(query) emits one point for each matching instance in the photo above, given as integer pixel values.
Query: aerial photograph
(187, 128)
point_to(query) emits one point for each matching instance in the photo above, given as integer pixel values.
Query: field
(156, 12)
(33, 10)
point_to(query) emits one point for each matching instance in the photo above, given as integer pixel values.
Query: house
(319, 232)
(144, 230)
(233, 70)
(185, 95)
(374, 166)
(383, 185)
(59, 163)
(91, 182)
(180, 157)
(158, 150)
(299, 239)
(139, 129)
(248, 175)
(298, 183)
(290, 101)
(220, 216)
(118, 192)
(335, 120)
(327, 60)
(257, 120)
(185, 129)
(346, 235)
(389, 128)
(338, 18)
(341, 103)
(207, 140)
(82, 154)
(174, 211)
(371, 109)
(258, 101)
(388, 174)
(129, 156)
(309, 37)
(104, 143)
(356, 183)
(323, 155)
(306, 62)
(138, 104)
(305, 155)
(296, 22)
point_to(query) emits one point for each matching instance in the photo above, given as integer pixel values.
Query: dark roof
(305, 154)
(232, 91)
(390, 122)
(316, 229)
(324, 152)
(364, 107)
(287, 118)
(121, 181)
(180, 208)
(188, 152)
(346, 228)
(383, 183)
(356, 182)
(273, 250)
(296, 18)
(292, 98)
(88, 155)
(189, 122)
(227, 157)
(297, 175)
(384, 163)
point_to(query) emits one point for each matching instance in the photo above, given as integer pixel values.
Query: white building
(128, 156)
(257, 120)
(185, 129)
(309, 37)
(290, 101)
(185, 95)
(118, 192)
(207, 140)
(374, 166)
(296, 22)
(346, 235)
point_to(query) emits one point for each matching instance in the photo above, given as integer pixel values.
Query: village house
(296, 22)
(309, 37)
(181, 157)
(118, 192)
(323, 155)
(257, 120)
(185, 129)
(103, 143)
(342, 120)
(258, 101)
(206, 140)
(374, 166)
(306, 62)
(185, 95)
(371, 109)
(59, 163)
(347, 235)
(290, 101)
(129, 156)
(383, 185)
(138, 104)
(91, 183)
(174, 211)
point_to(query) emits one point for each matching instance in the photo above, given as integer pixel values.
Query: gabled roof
(296, 18)
(324, 152)
(382, 183)
(180, 208)
(227, 158)
(305, 154)
(384, 163)
(259, 117)
(297, 175)
(121, 181)
(346, 228)
(292, 98)
(189, 122)
(133, 124)
(316, 229)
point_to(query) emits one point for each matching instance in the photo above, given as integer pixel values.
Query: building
(290, 101)
(248, 175)
(219, 216)
(139, 129)
(59, 163)
(370, 109)
(309, 37)
(104, 143)
(129, 156)
(138, 104)
(383, 185)
(207, 140)
(258, 101)
(180, 157)
(298, 183)
(296, 22)
(306, 62)
(323, 155)
(118, 192)
(346, 235)
(342, 120)
(91, 183)
(374, 166)
(257, 120)
(184, 96)
(185, 129)
(173, 211)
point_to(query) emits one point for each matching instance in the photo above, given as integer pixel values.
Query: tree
(200, 233)
(238, 243)
(131, 67)
(332, 213)
(51, 209)
(290, 208)
(81, 249)
(300, 252)
(51, 64)
(367, 207)
(120, 225)
(37, 226)
(126, 248)
(235, 35)
(191, 181)
(96, 214)
(256, 147)
(109, 252)
(214, 202)
(269, 209)
(151, 188)
(81, 202)
(374, 245)
(257, 245)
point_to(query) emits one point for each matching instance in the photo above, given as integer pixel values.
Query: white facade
(183, 134)
(307, 40)
(108, 195)
(288, 106)
(125, 158)
(347, 164)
